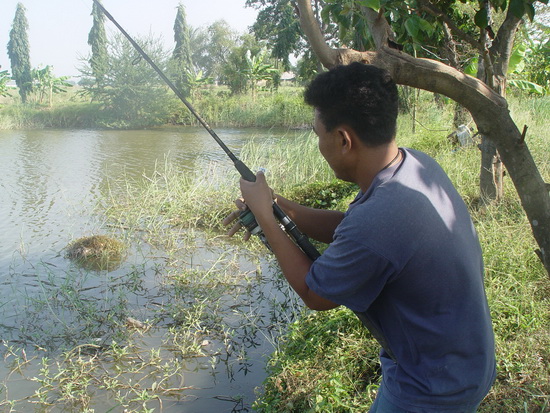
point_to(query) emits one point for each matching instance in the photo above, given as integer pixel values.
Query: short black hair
(359, 95)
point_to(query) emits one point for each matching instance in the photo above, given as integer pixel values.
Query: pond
(141, 336)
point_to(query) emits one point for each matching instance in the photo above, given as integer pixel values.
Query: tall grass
(283, 108)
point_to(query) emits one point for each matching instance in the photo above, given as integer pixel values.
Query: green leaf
(425, 26)
(372, 4)
(471, 68)
(517, 7)
(517, 59)
(527, 86)
(481, 18)
(412, 27)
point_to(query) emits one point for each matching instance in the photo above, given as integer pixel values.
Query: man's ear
(347, 138)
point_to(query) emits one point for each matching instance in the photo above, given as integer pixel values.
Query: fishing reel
(248, 220)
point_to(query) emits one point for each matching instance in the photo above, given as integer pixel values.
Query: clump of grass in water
(96, 252)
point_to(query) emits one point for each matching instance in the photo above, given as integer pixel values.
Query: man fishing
(404, 257)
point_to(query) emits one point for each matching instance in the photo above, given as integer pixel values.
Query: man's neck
(374, 159)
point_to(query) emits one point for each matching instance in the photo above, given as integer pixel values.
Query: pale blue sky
(58, 29)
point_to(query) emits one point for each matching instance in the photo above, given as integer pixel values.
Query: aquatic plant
(96, 252)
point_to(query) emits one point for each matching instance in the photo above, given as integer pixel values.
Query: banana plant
(196, 80)
(45, 83)
(4, 79)
(257, 69)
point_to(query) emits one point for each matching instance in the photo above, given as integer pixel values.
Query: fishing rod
(246, 218)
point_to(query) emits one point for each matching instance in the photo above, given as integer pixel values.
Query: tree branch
(311, 28)
(504, 42)
(378, 26)
(461, 34)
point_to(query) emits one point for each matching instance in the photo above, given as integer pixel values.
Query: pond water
(51, 184)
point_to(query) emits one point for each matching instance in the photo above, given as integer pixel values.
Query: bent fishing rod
(246, 217)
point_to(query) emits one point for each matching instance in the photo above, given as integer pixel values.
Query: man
(405, 256)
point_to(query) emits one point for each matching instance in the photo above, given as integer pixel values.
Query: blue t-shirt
(406, 257)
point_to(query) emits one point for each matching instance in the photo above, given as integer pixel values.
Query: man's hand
(234, 216)
(258, 196)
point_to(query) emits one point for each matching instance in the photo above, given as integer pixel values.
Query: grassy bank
(216, 105)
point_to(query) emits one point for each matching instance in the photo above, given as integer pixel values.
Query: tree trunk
(489, 110)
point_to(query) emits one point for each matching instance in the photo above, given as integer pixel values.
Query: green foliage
(324, 195)
(97, 39)
(61, 115)
(248, 64)
(211, 48)
(4, 79)
(257, 69)
(283, 108)
(196, 81)
(520, 60)
(45, 84)
(530, 63)
(18, 52)
(132, 93)
(352, 27)
(526, 86)
(182, 63)
(276, 24)
(326, 363)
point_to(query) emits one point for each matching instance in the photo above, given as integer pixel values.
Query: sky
(58, 29)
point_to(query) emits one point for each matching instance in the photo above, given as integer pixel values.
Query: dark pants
(383, 405)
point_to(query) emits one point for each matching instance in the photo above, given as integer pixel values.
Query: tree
(132, 94)
(276, 24)
(242, 62)
(211, 48)
(182, 62)
(45, 84)
(18, 52)
(488, 108)
(97, 39)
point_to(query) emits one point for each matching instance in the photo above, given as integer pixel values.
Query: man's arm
(318, 224)
(293, 262)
